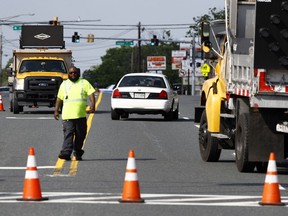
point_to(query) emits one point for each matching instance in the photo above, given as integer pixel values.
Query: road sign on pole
(156, 63)
(124, 43)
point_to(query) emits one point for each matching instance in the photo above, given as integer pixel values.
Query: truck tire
(114, 115)
(16, 107)
(241, 144)
(208, 145)
(11, 106)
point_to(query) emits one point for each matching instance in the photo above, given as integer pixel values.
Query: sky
(124, 13)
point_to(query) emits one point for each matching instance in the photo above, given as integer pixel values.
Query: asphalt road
(173, 179)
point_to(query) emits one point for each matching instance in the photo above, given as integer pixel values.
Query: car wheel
(114, 115)
(176, 113)
(241, 144)
(169, 116)
(208, 145)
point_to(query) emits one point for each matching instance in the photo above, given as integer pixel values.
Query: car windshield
(148, 81)
(42, 65)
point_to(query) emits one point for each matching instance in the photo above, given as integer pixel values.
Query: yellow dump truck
(39, 67)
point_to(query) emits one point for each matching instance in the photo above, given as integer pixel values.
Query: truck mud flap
(264, 138)
(198, 113)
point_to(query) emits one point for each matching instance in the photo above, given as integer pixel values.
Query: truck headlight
(19, 84)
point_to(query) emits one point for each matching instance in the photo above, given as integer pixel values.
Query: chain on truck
(39, 67)
(244, 106)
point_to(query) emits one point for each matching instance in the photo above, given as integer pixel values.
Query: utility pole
(1, 57)
(194, 64)
(139, 48)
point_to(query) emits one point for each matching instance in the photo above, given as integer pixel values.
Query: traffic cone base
(132, 193)
(131, 189)
(31, 189)
(1, 104)
(271, 192)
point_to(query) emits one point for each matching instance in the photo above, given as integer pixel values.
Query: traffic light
(75, 38)
(205, 32)
(154, 41)
(90, 38)
(205, 37)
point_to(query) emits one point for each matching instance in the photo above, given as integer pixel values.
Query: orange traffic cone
(1, 104)
(32, 189)
(131, 189)
(271, 192)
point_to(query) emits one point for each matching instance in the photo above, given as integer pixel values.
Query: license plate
(282, 128)
(139, 95)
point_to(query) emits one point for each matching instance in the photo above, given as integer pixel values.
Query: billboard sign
(156, 63)
(177, 57)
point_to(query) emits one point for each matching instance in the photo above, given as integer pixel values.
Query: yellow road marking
(74, 163)
(58, 167)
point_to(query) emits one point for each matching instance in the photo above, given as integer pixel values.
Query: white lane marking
(150, 199)
(234, 155)
(29, 118)
(20, 168)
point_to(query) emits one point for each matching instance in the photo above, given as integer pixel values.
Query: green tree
(213, 14)
(123, 60)
(4, 78)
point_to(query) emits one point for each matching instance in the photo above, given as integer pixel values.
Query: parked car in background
(144, 93)
(108, 89)
(4, 89)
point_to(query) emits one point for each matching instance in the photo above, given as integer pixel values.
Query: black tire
(16, 107)
(169, 116)
(11, 106)
(176, 113)
(114, 115)
(208, 145)
(241, 144)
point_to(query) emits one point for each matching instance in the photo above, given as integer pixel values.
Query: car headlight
(19, 84)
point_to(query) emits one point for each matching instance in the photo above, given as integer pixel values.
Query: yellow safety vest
(74, 97)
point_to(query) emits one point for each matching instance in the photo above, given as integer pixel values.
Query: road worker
(72, 95)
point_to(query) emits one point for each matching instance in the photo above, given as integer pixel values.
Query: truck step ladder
(220, 136)
(226, 115)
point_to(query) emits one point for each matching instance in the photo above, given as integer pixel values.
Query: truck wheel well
(203, 99)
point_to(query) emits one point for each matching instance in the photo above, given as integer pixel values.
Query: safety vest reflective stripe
(74, 100)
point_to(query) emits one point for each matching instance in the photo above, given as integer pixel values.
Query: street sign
(177, 57)
(156, 63)
(124, 43)
(17, 28)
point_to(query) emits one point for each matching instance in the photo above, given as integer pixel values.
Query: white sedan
(144, 93)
